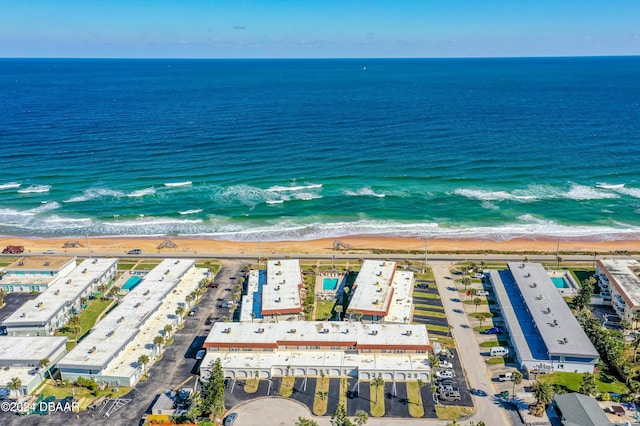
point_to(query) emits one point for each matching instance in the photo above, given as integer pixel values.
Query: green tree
(543, 393)
(465, 282)
(588, 384)
(635, 343)
(180, 313)
(516, 378)
(44, 365)
(477, 301)
(339, 417)
(14, 385)
(167, 330)
(143, 360)
(361, 418)
(305, 422)
(188, 298)
(158, 341)
(377, 382)
(212, 397)
(585, 293)
(338, 309)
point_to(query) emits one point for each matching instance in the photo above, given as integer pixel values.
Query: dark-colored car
(422, 285)
(493, 330)
(231, 418)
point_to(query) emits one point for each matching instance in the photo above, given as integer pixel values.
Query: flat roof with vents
(372, 290)
(39, 263)
(281, 293)
(622, 273)
(62, 292)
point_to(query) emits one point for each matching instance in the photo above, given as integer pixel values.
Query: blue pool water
(560, 282)
(329, 283)
(131, 283)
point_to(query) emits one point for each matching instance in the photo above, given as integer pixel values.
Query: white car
(445, 364)
(444, 374)
(482, 293)
(49, 252)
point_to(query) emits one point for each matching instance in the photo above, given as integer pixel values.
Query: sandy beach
(359, 244)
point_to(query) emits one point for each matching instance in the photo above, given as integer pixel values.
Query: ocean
(301, 149)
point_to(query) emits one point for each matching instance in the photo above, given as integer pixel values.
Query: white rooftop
(553, 318)
(402, 301)
(621, 273)
(28, 348)
(247, 300)
(372, 290)
(319, 333)
(123, 323)
(281, 293)
(65, 290)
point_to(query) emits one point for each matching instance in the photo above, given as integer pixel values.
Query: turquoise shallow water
(299, 149)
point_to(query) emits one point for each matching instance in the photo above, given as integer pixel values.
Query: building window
(233, 349)
(421, 351)
(335, 348)
(399, 351)
(247, 350)
(386, 351)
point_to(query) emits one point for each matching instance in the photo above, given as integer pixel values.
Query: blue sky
(317, 29)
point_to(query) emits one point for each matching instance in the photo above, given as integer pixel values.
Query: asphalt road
(176, 366)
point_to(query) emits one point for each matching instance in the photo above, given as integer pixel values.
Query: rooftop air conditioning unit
(95, 261)
(68, 281)
(84, 271)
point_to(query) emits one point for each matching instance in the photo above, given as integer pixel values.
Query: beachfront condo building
(34, 273)
(20, 358)
(110, 353)
(274, 294)
(396, 352)
(62, 299)
(381, 293)
(544, 332)
(620, 286)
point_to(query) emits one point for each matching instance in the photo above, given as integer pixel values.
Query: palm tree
(635, 343)
(158, 341)
(44, 364)
(167, 330)
(477, 301)
(543, 393)
(180, 313)
(252, 315)
(516, 378)
(14, 385)
(377, 382)
(338, 309)
(359, 315)
(143, 360)
(189, 299)
(466, 281)
(361, 418)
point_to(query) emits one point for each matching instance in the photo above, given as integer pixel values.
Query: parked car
(478, 392)
(445, 364)
(506, 377)
(444, 374)
(422, 285)
(478, 275)
(451, 395)
(482, 293)
(499, 351)
(445, 382)
(231, 418)
(135, 251)
(493, 330)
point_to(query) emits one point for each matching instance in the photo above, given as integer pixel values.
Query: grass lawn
(482, 302)
(61, 392)
(452, 412)
(89, 316)
(429, 313)
(481, 329)
(425, 295)
(446, 342)
(125, 266)
(377, 400)
(571, 381)
(495, 360)
(343, 392)
(324, 308)
(321, 398)
(286, 388)
(416, 409)
(493, 343)
(429, 307)
(440, 328)
(251, 385)
(581, 274)
(428, 275)
(148, 266)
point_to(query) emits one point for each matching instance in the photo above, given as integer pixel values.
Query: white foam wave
(482, 195)
(45, 207)
(274, 201)
(145, 221)
(194, 211)
(605, 185)
(91, 194)
(632, 192)
(366, 191)
(142, 192)
(35, 189)
(489, 206)
(306, 196)
(582, 192)
(176, 184)
(279, 188)
(10, 185)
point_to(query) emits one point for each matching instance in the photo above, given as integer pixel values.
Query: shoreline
(358, 244)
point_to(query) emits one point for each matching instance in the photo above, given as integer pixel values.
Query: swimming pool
(329, 283)
(560, 282)
(131, 283)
